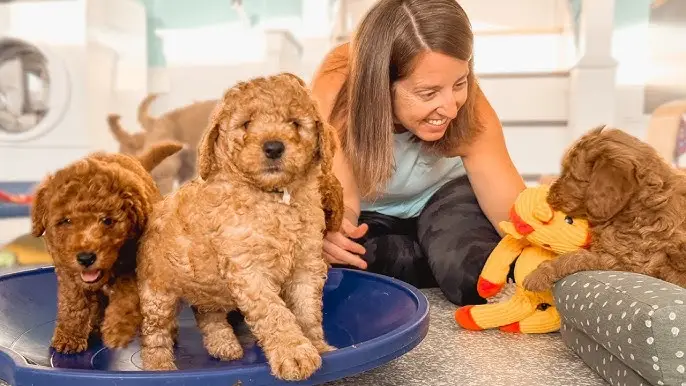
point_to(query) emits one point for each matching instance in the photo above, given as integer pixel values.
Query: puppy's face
(602, 172)
(87, 215)
(268, 131)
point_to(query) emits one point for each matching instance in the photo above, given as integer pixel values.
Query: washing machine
(58, 74)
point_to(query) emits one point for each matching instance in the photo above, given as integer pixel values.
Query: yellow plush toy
(535, 233)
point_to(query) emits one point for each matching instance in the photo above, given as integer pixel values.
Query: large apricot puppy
(91, 215)
(247, 234)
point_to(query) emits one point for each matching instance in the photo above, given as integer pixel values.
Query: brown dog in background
(184, 125)
(91, 215)
(247, 234)
(635, 203)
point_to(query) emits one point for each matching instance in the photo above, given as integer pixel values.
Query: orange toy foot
(512, 327)
(486, 289)
(463, 317)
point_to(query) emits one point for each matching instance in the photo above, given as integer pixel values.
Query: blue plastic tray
(370, 318)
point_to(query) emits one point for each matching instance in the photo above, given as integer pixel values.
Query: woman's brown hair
(384, 49)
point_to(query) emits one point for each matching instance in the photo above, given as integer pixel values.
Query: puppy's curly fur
(91, 214)
(635, 203)
(247, 234)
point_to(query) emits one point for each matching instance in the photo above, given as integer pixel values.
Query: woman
(423, 163)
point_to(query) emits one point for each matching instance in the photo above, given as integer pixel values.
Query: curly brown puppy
(247, 235)
(635, 203)
(91, 214)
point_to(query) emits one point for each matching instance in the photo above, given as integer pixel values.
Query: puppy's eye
(569, 220)
(246, 124)
(295, 124)
(64, 221)
(107, 221)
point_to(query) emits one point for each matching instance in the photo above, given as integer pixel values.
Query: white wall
(184, 80)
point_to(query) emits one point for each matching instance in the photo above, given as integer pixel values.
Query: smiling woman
(423, 161)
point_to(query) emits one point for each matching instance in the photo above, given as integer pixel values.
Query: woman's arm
(494, 178)
(327, 81)
(338, 246)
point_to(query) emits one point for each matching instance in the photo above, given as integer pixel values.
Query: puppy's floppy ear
(327, 145)
(206, 156)
(138, 208)
(611, 186)
(39, 209)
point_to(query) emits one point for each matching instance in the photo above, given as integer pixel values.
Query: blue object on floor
(11, 210)
(371, 319)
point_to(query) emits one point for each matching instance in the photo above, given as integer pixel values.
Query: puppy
(91, 214)
(247, 235)
(635, 204)
(184, 124)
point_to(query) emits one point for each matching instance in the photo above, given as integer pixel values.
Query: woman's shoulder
(330, 77)
(334, 66)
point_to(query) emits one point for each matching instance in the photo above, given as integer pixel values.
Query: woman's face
(428, 99)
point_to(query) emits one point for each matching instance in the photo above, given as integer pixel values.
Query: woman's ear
(39, 211)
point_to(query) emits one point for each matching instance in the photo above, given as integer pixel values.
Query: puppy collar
(286, 198)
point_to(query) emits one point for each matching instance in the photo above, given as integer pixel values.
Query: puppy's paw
(540, 279)
(158, 359)
(118, 338)
(69, 344)
(223, 345)
(322, 346)
(118, 333)
(295, 362)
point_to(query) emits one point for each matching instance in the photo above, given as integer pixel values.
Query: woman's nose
(448, 106)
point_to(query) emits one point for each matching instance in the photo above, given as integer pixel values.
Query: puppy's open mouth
(91, 276)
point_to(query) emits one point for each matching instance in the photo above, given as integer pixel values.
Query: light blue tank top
(417, 176)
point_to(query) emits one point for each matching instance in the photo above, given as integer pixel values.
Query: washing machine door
(34, 90)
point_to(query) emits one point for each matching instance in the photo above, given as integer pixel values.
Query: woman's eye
(569, 220)
(64, 221)
(107, 221)
(461, 84)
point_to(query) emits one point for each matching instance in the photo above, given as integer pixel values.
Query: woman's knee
(457, 238)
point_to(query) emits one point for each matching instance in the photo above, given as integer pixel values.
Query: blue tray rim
(416, 328)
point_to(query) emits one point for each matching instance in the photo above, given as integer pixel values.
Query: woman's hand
(340, 249)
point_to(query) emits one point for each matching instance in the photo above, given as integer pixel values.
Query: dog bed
(629, 328)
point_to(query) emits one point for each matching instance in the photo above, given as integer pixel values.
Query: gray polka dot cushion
(629, 328)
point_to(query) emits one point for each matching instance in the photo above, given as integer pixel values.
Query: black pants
(446, 246)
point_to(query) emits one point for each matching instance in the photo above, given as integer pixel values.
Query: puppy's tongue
(90, 276)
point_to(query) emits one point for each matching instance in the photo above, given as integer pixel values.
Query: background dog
(91, 215)
(184, 125)
(248, 233)
(635, 204)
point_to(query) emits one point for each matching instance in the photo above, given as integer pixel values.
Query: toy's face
(532, 217)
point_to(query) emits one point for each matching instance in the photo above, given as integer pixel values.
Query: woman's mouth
(437, 122)
(91, 276)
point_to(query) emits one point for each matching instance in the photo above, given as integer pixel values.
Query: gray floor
(452, 356)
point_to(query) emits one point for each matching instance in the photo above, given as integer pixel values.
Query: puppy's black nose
(86, 258)
(273, 149)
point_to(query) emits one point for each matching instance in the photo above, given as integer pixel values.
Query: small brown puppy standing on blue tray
(91, 215)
